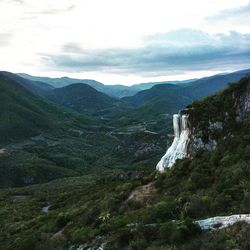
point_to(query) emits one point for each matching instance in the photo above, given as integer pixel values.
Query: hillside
(170, 98)
(61, 82)
(84, 99)
(28, 123)
(22, 113)
(135, 93)
(148, 85)
(41, 141)
(117, 91)
(150, 211)
(36, 87)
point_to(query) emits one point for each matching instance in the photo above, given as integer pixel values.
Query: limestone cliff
(208, 123)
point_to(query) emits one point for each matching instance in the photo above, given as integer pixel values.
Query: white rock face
(178, 149)
(220, 222)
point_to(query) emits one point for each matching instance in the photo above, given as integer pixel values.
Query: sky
(125, 41)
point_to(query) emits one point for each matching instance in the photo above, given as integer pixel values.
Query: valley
(73, 179)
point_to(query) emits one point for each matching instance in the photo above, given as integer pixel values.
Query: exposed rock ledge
(212, 223)
(220, 222)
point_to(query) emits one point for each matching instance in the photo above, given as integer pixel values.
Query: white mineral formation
(220, 222)
(178, 149)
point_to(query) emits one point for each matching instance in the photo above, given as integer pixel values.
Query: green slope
(84, 99)
(150, 211)
(22, 114)
(36, 87)
(169, 98)
(45, 141)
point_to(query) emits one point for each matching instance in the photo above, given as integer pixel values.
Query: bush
(197, 207)
(120, 239)
(162, 211)
(82, 235)
(159, 183)
(138, 244)
(166, 231)
(62, 220)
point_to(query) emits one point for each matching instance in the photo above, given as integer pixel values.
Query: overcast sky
(124, 41)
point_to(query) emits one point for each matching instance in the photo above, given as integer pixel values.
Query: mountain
(41, 140)
(148, 85)
(167, 91)
(22, 113)
(62, 81)
(204, 125)
(120, 91)
(36, 87)
(170, 98)
(141, 210)
(84, 99)
(116, 90)
(29, 123)
(111, 90)
(208, 85)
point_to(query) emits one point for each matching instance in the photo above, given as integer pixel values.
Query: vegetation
(139, 210)
(85, 99)
(170, 98)
(43, 141)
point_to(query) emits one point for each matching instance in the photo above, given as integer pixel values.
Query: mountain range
(56, 125)
(110, 196)
(149, 98)
(42, 140)
(117, 90)
(188, 91)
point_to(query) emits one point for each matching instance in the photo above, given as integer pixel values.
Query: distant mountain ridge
(84, 99)
(116, 90)
(111, 90)
(170, 97)
(121, 91)
(162, 98)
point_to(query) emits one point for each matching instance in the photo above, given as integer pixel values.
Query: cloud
(46, 7)
(177, 51)
(72, 48)
(240, 14)
(5, 39)
(53, 11)
(17, 1)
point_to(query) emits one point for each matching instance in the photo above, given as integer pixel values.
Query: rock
(142, 193)
(3, 152)
(178, 149)
(220, 222)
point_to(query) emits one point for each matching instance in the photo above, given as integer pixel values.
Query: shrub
(138, 244)
(166, 231)
(62, 220)
(162, 211)
(82, 235)
(120, 239)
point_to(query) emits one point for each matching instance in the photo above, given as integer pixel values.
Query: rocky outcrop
(201, 127)
(187, 142)
(178, 149)
(95, 244)
(220, 222)
(242, 104)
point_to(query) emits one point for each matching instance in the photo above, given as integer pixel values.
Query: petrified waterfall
(178, 149)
